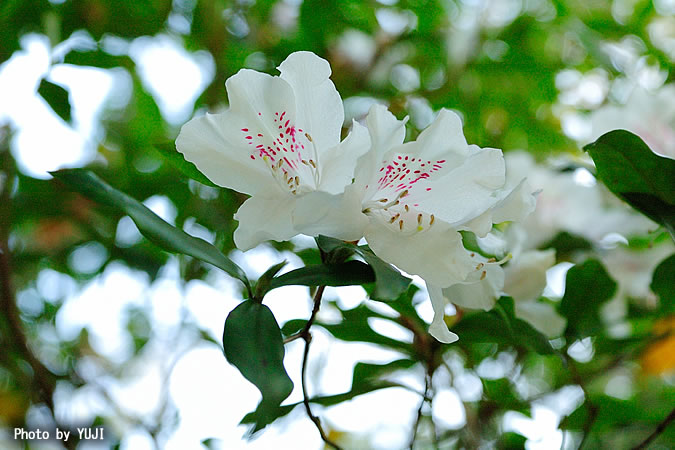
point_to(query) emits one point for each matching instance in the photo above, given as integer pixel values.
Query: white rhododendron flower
(278, 141)
(523, 278)
(412, 200)
(650, 115)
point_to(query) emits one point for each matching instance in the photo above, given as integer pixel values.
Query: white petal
(465, 192)
(385, 132)
(337, 216)
(543, 317)
(223, 160)
(513, 205)
(261, 219)
(223, 146)
(319, 107)
(444, 138)
(526, 275)
(436, 254)
(478, 294)
(339, 163)
(438, 328)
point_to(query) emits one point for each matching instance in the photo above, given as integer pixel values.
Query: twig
(42, 377)
(307, 337)
(590, 406)
(426, 397)
(659, 429)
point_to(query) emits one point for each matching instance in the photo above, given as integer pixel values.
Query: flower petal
(436, 254)
(385, 132)
(221, 159)
(480, 293)
(227, 147)
(339, 163)
(543, 317)
(514, 205)
(444, 138)
(337, 216)
(526, 275)
(319, 107)
(464, 192)
(263, 218)
(438, 329)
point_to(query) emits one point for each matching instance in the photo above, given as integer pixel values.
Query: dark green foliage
(587, 287)
(634, 173)
(57, 98)
(152, 226)
(252, 342)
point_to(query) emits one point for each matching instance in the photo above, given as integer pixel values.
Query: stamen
(394, 218)
(431, 220)
(483, 275)
(400, 225)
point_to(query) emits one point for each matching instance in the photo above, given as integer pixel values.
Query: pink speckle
(244, 129)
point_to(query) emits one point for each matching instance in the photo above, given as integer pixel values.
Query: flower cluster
(279, 142)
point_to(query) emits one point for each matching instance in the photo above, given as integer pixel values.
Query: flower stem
(307, 337)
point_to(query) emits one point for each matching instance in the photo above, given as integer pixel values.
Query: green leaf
(252, 342)
(502, 327)
(343, 274)
(662, 284)
(175, 158)
(587, 287)
(57, 97)
(389, 283)
(367, 372)
(627, 166)
(149, 224)
(511, 441)
(326, 400)
(262, 286)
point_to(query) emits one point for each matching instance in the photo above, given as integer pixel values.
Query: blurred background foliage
(504, 65)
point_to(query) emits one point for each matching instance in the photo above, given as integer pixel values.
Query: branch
(659, 429)
(590, 406)
(42, 377)
(425, 398)
(307, 337)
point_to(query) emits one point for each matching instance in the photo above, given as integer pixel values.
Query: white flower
(523, 279)
(413, 199)
(650, 115)
(278, 141)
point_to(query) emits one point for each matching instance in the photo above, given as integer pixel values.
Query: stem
(590, 406)
(659, 429)
(425, 398)
(42, 377)
(307, 336)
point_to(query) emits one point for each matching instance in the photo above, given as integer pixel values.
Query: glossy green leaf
(149, 224)
(175, 158)
(389, 282)
(343, 274)
(627, 166)
(500, 326)
(325, 400)
(587, 287)
(252, 342)
(262, 286)
(57, 97)
(663, 284)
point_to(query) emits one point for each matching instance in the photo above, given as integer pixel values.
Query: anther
(480, 266)
(394, 218)
(431, 220)
(309, 138)
(482, 275)
(419, 219)
(400, 225)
